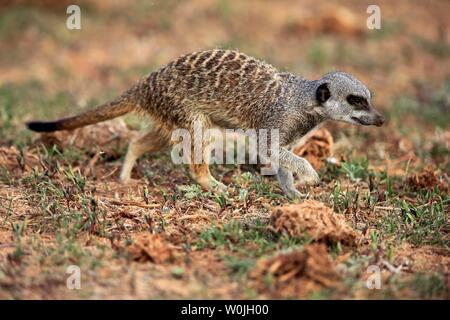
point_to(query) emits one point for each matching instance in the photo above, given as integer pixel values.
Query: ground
(383, 202)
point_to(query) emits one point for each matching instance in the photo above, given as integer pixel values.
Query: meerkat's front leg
(286, 180)
(301, 166)
(288, 163)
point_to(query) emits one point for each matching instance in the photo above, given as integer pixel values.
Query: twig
(92, 162)
(109, 174)
(384, 208)
(131, 203)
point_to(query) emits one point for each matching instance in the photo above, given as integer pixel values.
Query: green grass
(318, 54)
(429, 286)
(193, 191)
(356, 169)
(225, 9)
(239, 266)
(342, 200)
(388, 29)
(160, 13)
(435, 110)
(438, 48)
(21, 102)
(236, 236)
(21, 18)
(421, 223)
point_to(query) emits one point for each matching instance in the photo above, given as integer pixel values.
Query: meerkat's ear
(323, 93)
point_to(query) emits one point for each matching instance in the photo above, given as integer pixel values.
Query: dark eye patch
(360, 103)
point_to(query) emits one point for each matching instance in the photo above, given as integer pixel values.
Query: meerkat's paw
(125, 176)
(212, 184)
(128, 181)
(310, 177)
(293, 193)
(219, 186)
(124, 180)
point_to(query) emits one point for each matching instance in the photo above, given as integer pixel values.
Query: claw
(295, 194)
(220, 186)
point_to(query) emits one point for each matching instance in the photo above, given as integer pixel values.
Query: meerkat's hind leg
(200, 171)
(150, 140)
(201, 174)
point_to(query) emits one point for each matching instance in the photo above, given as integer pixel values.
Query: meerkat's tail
(116, 108)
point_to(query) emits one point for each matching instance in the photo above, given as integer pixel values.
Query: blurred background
(48, 71)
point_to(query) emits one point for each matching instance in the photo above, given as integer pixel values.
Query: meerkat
(229, 89)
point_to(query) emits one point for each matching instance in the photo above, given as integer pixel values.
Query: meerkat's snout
(376, 118)
(379, 119)
(367, 118)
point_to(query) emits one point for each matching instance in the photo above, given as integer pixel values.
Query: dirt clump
(427, 179)
(295, 273)
(314, 219)
(317, 148)
(17, 161)
(153, 248)
(424, 259)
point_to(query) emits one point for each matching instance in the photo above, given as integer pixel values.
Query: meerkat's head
(342, 97)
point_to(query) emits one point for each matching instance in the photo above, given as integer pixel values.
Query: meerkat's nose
(379, 120)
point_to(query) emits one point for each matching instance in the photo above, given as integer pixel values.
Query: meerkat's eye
(360, 103)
